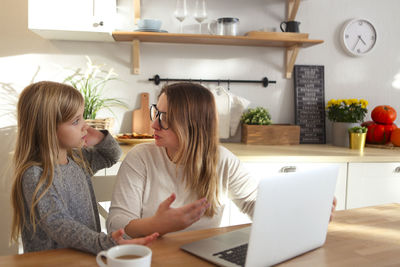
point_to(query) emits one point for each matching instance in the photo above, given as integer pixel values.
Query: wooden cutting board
(272, 35)
(141, 123)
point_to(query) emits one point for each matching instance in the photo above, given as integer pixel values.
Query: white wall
(24, 56)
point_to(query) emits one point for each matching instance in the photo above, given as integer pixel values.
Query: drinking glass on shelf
(180, 12)
(200, 12)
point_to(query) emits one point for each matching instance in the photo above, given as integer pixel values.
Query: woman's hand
(117, 236)
(93, 137)
(333, 208)
(170, 220)
(167, 219)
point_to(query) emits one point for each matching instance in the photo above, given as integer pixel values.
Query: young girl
(184, 164)
(55, 156)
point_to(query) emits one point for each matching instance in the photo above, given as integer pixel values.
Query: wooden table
(358, 237)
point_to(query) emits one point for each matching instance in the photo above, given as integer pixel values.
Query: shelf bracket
(135, 57)
(136, 10)
(293, 6)
(291, 55)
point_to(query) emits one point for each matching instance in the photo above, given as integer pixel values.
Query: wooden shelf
(291, 41)
(273, 39)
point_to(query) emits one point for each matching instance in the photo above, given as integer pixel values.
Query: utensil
(180, 12)
(141, 117)
(224, 26)
(200, 12)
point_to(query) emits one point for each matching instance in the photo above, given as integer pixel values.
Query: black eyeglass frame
(158, 115)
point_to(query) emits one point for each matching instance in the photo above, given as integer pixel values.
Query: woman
(185, 167)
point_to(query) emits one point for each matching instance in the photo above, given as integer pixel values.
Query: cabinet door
(262, 169)
(72, 19)
(371, 184)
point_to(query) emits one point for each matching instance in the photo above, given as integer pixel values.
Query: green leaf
(256, 116)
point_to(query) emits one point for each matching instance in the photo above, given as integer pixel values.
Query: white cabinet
(262, 169)
(86, 20)
(371, 184)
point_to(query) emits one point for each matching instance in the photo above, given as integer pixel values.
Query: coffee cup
(125, 256)
(290, 26)
(149, 24)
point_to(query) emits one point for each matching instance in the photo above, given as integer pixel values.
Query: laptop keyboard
(235, 255)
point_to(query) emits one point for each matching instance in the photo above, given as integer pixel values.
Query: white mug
(125, 256)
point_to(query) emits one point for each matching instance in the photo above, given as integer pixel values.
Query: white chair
(103, 187)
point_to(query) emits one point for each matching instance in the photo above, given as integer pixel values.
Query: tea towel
(230, 109)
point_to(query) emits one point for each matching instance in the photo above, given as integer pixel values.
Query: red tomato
(383, 114)
(367, 123)
(395, 137)
(379, 133)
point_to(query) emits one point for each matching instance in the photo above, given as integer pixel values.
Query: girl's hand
(170, 220)
(93, 137)
(117, 236)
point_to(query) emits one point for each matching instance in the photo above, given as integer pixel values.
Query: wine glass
(180, 12)
(200, 12)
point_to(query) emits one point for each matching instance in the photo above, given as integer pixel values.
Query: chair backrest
(103, 187)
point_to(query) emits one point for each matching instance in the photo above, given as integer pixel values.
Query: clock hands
(359, 37)
(358, 40)
(355, 46)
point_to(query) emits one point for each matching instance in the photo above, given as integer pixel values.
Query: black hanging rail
(264, 81)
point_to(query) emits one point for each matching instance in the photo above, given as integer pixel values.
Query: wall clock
(358, 37)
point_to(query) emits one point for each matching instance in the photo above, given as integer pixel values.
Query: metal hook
(229, 84)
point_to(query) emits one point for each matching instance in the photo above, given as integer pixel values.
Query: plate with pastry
(134, 138)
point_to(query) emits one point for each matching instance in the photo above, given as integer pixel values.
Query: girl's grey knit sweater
(67, 214)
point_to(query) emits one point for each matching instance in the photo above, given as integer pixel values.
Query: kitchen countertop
(305, 153)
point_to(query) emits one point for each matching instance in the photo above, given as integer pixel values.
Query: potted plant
(91, 84)
(357, 137)
(257, 128)
(256, 116)
(345, 114)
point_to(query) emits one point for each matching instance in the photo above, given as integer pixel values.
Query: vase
(357, 140)
(340, 133)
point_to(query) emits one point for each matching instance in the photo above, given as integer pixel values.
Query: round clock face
(358, 37)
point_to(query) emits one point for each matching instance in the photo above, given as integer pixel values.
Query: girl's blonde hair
(192, 115)
(41, 108)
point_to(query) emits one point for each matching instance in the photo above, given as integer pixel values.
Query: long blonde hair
(41, 108)
(192, 115)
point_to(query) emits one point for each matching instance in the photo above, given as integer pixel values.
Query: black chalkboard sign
(309, 94)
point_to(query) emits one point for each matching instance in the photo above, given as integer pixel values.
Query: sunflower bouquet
(346, 110)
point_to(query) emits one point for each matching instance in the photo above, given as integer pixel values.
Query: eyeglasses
(162, 116)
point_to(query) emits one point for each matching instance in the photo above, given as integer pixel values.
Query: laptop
(291, 217)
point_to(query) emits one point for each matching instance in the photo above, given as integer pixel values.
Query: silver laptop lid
(291, 215)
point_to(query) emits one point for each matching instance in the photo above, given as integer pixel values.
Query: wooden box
(274, 134)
